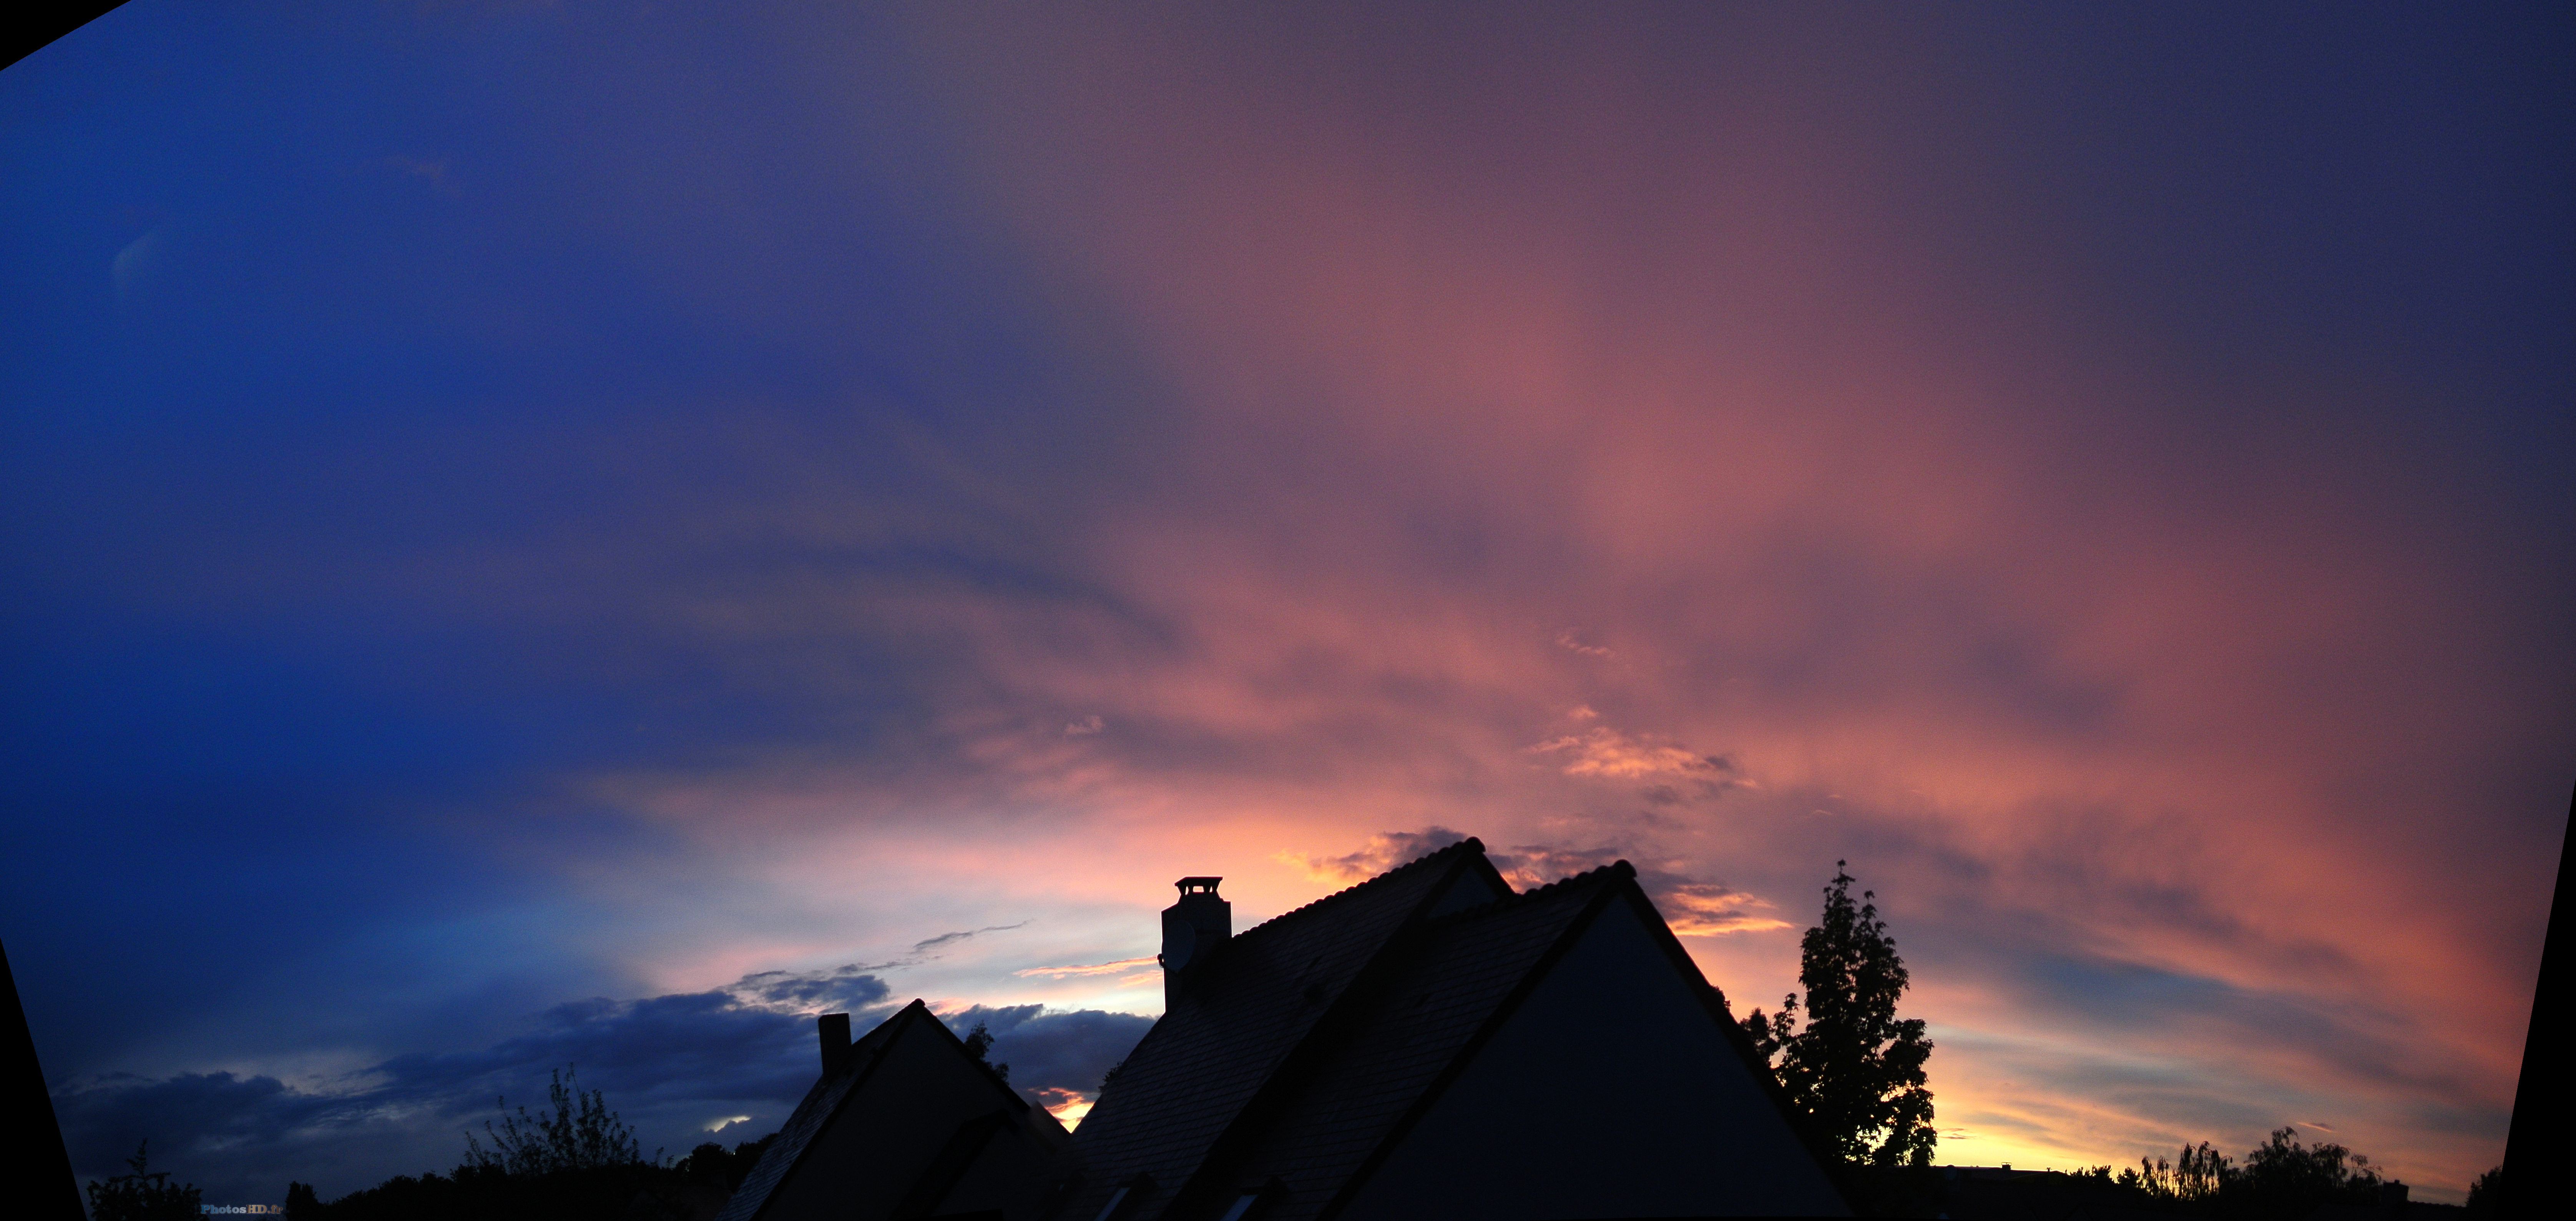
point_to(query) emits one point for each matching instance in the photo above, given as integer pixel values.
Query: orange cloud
(1068, 1106)
(1121, 967)
(1613, 755)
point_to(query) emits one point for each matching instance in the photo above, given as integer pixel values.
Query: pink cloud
(1877, 525)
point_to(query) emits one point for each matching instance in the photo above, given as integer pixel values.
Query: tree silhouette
(2485, 1192)
(579, 1132)
(142, 1194)
(574, 1161)
(1855, 1068)
(2279, 1178)
(979, 1042)
(2196, 1178)
(711, 1163)
(2283, 1178)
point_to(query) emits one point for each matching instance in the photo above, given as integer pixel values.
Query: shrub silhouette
(142, 1194)
(578, 1132)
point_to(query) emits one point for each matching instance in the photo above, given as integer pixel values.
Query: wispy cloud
(1708, 909)
(1611, 755)
(430, 170)
(1571, 643)
(1120, 967)
(931, 948)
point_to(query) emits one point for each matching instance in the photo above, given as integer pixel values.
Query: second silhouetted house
(1429, 1043)
(905, 1122)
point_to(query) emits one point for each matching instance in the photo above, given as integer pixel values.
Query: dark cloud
(845, 987)
(1384, 851)
(678, 1067)
(1055, 1051)
(675, 1066)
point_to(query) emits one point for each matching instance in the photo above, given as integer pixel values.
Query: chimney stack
(1192, 929)
(835, 1031)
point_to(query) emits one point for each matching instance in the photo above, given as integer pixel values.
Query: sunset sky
(590, 533)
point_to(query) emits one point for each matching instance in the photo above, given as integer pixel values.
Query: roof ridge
(1620, 869)
(1471, 843)
(1595, 874)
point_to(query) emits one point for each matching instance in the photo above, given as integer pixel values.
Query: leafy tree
(2278, 1178)
(711, 1164)
(578, 1133)
(142, 1194)
(978, 1042)
(1855, 1068)
(2485, 1193)
(2282, 1177)
(2194, 1179)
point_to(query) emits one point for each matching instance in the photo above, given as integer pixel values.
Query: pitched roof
(818, 1109)
(1301, 1053)
(1449, 983)
(820, 1103)
(1244, 1011)
(825, 1100)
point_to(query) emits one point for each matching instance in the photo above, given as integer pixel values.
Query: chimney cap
(1192, 886)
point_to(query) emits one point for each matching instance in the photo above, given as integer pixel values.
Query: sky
(544, 534)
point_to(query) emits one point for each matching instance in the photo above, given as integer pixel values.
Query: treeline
(691, 1189)
(576, 1161)
(2280, 1178)
(2277, 1176)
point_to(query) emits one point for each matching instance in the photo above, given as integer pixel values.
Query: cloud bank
(727, 1064)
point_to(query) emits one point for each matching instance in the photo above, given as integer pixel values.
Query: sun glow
(1068, 1106)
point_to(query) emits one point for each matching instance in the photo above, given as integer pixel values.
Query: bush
(142, 1195)
(578, 1133)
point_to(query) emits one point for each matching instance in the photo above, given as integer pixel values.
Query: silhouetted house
(1430, 1044)
(905, 1122)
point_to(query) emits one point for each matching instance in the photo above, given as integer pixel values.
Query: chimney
(1192, 929)
(835, 1030)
